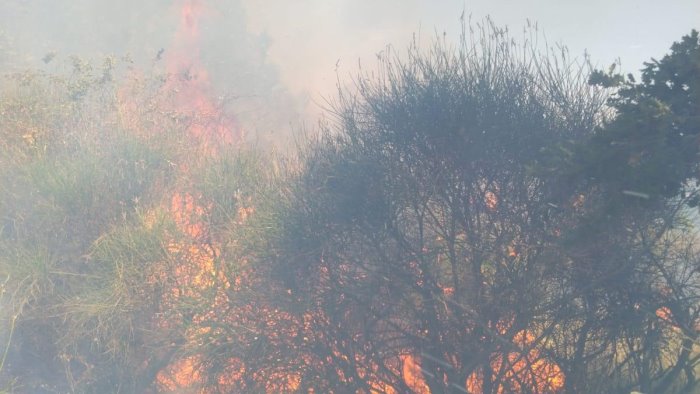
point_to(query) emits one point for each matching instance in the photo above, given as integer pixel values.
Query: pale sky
(279, 57)
(309, 36)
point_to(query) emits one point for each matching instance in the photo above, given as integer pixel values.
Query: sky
(309, 36)
(279, 59)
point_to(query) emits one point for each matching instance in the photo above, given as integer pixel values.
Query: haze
(335, 196)
(280, 59)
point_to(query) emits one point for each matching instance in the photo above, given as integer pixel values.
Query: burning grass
(92, 247)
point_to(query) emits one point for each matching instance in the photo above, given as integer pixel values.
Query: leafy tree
(651, 145)
(633, 246)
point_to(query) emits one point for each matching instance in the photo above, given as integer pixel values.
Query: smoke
(273, 62)
(44, 34)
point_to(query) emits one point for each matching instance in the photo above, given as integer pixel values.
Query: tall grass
(83, 181)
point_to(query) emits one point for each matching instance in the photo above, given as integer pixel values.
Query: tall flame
(190, 82)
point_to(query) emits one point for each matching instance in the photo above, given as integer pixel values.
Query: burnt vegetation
(487, 217)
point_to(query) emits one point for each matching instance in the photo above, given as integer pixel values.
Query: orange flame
(525, 370)
(190, 81)
(209, 126)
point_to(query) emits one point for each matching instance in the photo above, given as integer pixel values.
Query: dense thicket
(476, 218)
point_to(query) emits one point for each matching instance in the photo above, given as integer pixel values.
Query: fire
(179, 375)
(491, 200)
(189, 87)
(189, 92)
(413, 375)
(190, 82)
(522, 371)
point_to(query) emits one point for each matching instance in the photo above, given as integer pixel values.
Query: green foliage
(637, 176)
(651, 145)
(80, 241)
(109, 309)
